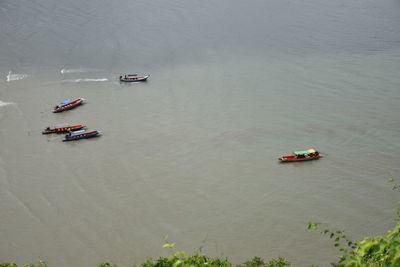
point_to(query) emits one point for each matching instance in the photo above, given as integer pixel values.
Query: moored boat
(302, 155)
(68, 104)
(133, 78)
(81, 134)
(62, 128)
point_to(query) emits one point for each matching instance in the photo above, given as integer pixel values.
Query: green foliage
(167, 243)
(312, 225)
(12, 264)
(8, 264)
(176, 260)
(106, 264)
(380, 251)
(255, 262)
(258, 262)
(179, 259)
(200, 260)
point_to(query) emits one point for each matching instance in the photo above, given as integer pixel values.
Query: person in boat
(48, 128)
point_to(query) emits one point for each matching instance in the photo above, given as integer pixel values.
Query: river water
(192, 153)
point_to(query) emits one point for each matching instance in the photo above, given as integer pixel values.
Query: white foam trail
(86, 80)
(2, 104)
(63, 71)
(15, 76)
(78, 70)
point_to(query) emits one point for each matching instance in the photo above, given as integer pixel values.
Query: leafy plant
(12, 264)
(107, 264)
(8, 264)
(380, 251)
(258, 262)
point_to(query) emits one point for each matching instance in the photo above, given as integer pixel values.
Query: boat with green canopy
(302, 155)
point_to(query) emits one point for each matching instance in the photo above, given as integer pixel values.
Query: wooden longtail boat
(62, 128)
(81, 134)
(133, 78)
(68, 104)
(302, 155)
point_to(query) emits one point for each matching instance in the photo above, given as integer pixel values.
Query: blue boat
(81, 134)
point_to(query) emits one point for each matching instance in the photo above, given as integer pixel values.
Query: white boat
(133, 78)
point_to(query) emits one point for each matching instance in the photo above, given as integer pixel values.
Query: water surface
(192, 153)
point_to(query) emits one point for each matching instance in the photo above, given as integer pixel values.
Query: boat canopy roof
(67, 101)
(78, 131)
(302, 152)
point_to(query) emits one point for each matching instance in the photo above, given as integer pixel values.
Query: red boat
(303, 155)
(68, 104)
(62, 128)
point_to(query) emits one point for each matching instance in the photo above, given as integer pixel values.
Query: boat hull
(294, 159)
(84, 135)
(69, 106)
(134, 79)
(63, 129)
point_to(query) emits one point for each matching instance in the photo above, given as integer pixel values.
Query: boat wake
(77, 70)
(74, 75)
(85, 80)
(15, 76)
(2, 104)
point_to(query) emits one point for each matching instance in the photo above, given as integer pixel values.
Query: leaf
(169, 245)
(312, 225)
(342, 259)
(391, 180)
